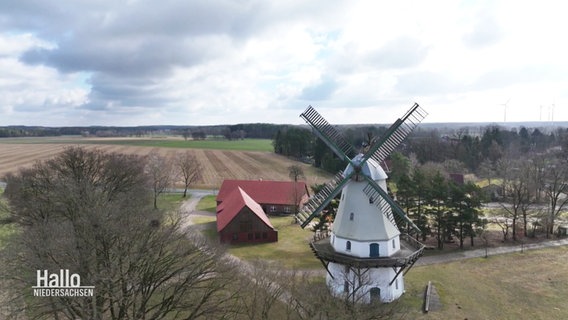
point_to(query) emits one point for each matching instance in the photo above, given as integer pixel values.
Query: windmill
(365, 253)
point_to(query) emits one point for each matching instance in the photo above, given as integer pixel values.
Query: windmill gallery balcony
(410, 251)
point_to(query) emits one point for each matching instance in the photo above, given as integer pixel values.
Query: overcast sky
(191, 62)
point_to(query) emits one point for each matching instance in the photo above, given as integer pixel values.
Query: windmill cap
(370, 168)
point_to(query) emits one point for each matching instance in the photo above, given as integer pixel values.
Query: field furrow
(222, 170)
(216, 165)
(250, 170)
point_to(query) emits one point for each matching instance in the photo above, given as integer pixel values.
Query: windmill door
(374, 250)
(375, 294)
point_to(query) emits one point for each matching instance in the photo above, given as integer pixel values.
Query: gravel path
(478, 253)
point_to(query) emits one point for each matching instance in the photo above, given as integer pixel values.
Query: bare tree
(189, 168)
(260, 290)
(90, 212)
(517, 195)
(556, 188)
(159, 170)
(296, 173)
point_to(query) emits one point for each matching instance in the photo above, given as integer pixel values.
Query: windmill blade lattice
(328, 134)
(319, 201)
(384, 201)
(396, 134)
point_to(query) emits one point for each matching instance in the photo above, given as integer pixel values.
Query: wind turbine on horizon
(505, 105)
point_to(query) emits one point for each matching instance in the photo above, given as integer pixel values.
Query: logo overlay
(62, 284)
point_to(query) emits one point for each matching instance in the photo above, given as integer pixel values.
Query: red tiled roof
(265, 192)
(233, 204)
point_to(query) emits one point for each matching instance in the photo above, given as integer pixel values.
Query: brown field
(217, 165)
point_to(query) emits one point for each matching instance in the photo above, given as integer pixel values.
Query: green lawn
(530, 285)
(291, 250)
(240, 145)
(170, 201)
(207, 203)
(165, 142)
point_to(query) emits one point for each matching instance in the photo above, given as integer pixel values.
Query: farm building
(275, 197)
(241, 219)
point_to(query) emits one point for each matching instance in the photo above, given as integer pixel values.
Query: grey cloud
(319, 91)
(150, 56)
(111, 91)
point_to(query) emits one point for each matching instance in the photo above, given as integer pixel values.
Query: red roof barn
(273, 196)
(241, 219)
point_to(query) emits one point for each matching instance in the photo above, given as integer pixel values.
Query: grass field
(530, 285)
(291, 250)
(217, 164)
(264, 145)
(207, 203)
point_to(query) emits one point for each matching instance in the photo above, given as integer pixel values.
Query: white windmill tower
(366, 254)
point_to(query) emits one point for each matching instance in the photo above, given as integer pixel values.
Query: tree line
(469, 151)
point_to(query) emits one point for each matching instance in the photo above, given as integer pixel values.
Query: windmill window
(351, 216)
(393, 244)
(346, 286)
(272, 208)
(371, 200)
(348, 246)
(396, 284)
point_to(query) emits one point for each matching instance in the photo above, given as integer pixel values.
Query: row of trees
(164, 172)
(441, 207)
(494, 144)
(91, 213)
(534, 192)
(427, 146)
(530, 191)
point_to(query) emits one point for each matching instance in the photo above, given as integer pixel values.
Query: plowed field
(217, 165)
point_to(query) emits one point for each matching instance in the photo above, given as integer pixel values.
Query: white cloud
(222, 61)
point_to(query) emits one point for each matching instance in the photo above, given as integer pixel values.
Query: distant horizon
(423, 124)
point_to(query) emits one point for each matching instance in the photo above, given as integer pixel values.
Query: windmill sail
(328, 134)
(396, 134)
(319, 201)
